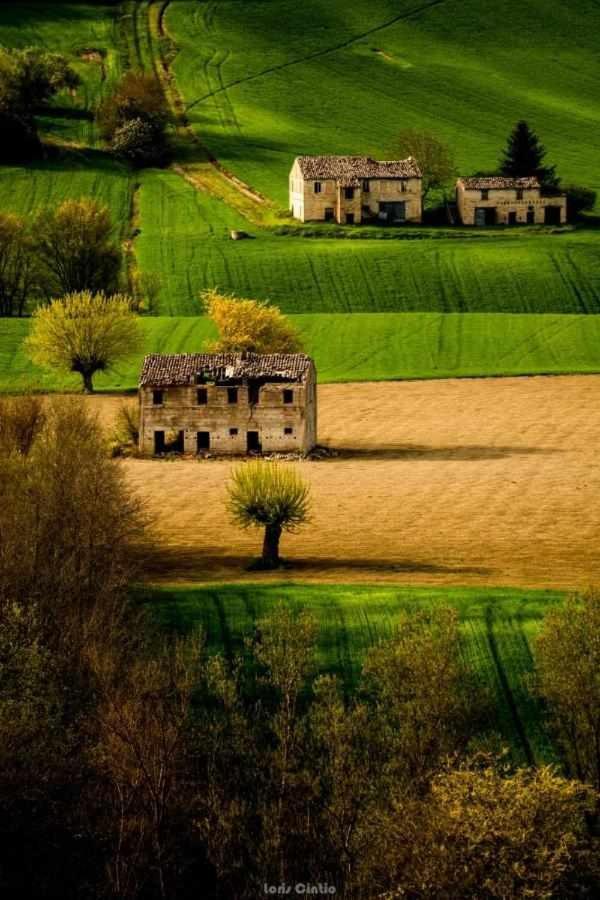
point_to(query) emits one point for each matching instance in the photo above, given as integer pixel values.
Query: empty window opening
(317, 187)
(349, 218)
(512, 218)
(530, 216)
(232, 395)
(349, 193)
(519, 193)
(253, 393)
(288, 430)
(366, 186)
(288, 396)
(252, 442)
(157, 398)
(202, 396)
(485, 194)
(329, 214)
(159, 442)
(203, 441)
(233, 432)
(403, 187)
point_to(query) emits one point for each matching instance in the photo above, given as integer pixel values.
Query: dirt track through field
(491, 481)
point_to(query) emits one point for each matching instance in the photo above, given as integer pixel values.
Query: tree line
(137, 764)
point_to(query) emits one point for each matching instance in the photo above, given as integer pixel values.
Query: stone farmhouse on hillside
(496, 200)
(354, 189)
(227, 403)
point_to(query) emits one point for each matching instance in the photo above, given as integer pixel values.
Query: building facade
(508, 201)
(354, 189)
(227, 403)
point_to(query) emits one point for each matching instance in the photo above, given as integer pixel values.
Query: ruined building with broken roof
(496, 200)
(227, 403)
(354, 189)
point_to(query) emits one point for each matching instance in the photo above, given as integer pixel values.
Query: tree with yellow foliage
(253, 326)
(84, 333)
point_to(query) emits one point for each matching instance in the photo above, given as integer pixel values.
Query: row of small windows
(158, 396)
(176, 443)
(349, 191)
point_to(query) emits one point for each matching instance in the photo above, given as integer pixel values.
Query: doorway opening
(202, 441)
(252, 442)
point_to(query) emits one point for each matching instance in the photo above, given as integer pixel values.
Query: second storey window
(232, 395)
(366, 186)
(317, 187)
(202, 396)
(403, 187)
(288, 396)
(485, 194)
(519, 193)
(349, 193)
(157, 398)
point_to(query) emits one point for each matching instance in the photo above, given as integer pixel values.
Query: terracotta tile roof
(498, 182)
(181, 368)
(349, 170)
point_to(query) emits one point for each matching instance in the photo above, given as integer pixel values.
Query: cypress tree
(524, 155)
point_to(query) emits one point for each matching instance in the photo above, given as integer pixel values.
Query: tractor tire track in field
(163, 71)
(318, 53)
(506, 689)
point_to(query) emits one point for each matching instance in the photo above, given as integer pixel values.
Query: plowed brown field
(491, 481)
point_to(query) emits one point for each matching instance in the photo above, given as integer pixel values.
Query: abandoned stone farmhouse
(354, 189)
(227, 403)
(496, 200)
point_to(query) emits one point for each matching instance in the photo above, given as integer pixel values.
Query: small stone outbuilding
(227, 403)
(496, 200)
(354, 189)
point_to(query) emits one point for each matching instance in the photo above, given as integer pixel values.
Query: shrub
(141, 142)
(21, 420)
(249, 325)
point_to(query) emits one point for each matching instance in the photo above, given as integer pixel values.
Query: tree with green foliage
(567, 656)
(84, 333)
(19, 271)
(421, 685)
(263, 494)
(251, 326)
(524, 156)
(433, 157)
(76, 249)
(29, 78)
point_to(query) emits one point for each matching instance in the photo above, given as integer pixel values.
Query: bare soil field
(489, 481)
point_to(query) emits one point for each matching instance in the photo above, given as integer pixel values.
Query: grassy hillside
(399, 63)
(497, 628)
(361, 347)
(185, 239)
(266, 80)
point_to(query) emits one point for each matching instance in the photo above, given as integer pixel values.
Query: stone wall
(505, 201)
(308, 206)
(269, 417)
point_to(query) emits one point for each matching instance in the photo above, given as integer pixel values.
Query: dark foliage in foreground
(137, 767)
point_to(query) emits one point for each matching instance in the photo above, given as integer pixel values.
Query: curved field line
(318, 53)
(506, 689)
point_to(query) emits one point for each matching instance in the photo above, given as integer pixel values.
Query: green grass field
(360, 347)
(266, 80)
(312, 97)
(497, 628)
